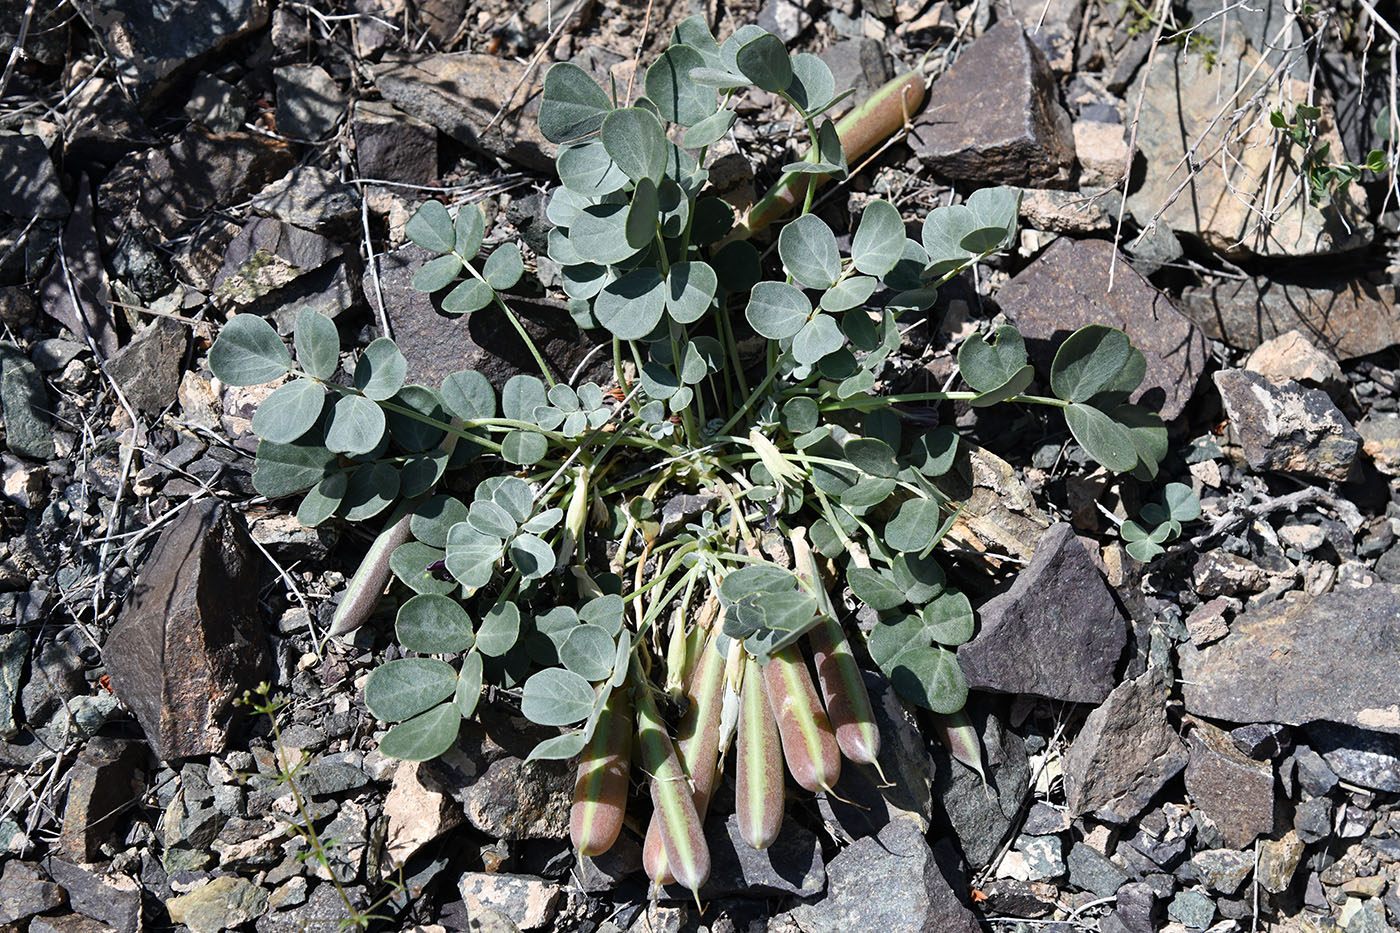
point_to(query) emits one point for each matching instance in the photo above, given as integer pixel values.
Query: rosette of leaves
(1159, 522)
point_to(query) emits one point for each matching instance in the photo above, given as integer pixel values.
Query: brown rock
(1235, 791)
(1345, 317)
(272, 268)
(1059, 211)
(1293, 356)
(189, 640)
(419, 809)
(1380, 438)
(1102, 152)
(24, 892)
(1067, 287)
(1286, 427)
(994, 116)
(101, 785)
(393, 146)
(148, 368)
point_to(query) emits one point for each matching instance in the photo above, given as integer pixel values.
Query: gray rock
(111, 897)
(1278, 861)
(148, 368)
(1261, 741)
(101, 785)
(323, 912)
(67, 923)
(994, 116)
(1368, 916)
(786, 19)
(24, 402)
(1090, 870)
(1087, 211)
(981, 814)
(528, 902)
(1136, 908)
(310, 198)
(1312, 819)
(1125, 753)
(501, 795)
(25, 891)
(309, 102)
(1300, 659)
(860, 64)
(275, 269)
(1153, 250)
(393, 146)
(1056, 633)
(1235, 792)
(792, 865)
(1192, 909)
(222, 904)
(216, 104)
(14, 652)
(189, 640)
(1222, 870)
(1162, 839)
(28, 180)
(1369, 759)
(1287, 427)
(1045, 856)
(140, 267)
(1044, 820)
(890, 883)
(325, 778)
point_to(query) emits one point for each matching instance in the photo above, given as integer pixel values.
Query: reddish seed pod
(758, 797)
(847, 702)
(682, 834)
(809, 745)
(600, 790)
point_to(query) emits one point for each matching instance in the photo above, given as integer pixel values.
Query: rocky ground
(1210, 741)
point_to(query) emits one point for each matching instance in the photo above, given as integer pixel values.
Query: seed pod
(758, 795)
(809, 746)
(367, 585)
(600, 791)
(847, 702)
(959, 736)
(682, 834)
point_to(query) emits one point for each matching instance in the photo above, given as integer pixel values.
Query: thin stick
(19, 45)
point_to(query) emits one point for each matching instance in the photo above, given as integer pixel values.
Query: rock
(216, 105)
(189, 640)
(25, 891)
(529, 902)
(26, 486)
(101, 784)
(67, 923)
(1090, 870)
(1220, 574)
(1192, 909)
(1291, 356)
(1067, 287)
(1262, 741)
(24, 401)
(1222, 870)
(1136, 908)
(1380, 439)
(786, 19)
(393, 146)
(111, 897)
(911, 892)
(1125, 753)
(141, 268)
(309, 102)
(27, 177)
(1303, 658)
(1236, 792)
(1312, 773)
(222, 904)
(310, 198)
(1312, 820)
(792, 865)
(1102, 152)
(996, 511)
(148, 368)
(1368, 759)
(981, 813)
(1056, 633)
(1087, 211)
(1206, 623)
(1364, 915)
(152, 42)
(1053, 26)
(994, 116)
(1222, 201)
(859, 64)
(272, 268)
(1045, 856)
(1278, 860)
(323, 912)
(437, 345)
(418, 809)
(14, 651)
(1286, 427)
(460, 93)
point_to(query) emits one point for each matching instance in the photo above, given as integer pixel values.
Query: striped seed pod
(600, 790)
(847, 702)
(759, 779)
(809, 746)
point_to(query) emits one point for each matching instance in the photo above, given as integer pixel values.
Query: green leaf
(504, 267)
(423, 737)
(765, 62)
(658, 382)
(410, 562)
(693, 32)
(433, 625)
(931, 678)
(989, 367)
(511, 493)
(317, 342)
(471, 295)
(499, 630)
(914, 526)
(879, 239)
(248, 352)
(1089, 362)
(808, 250)
(322, 500)
(559, 747)
(643, 214)
(709, 130)
(948, 620)
(381, 370)
(410, 433)
(524, 448)
(1149, 436)
(1102, 438)
(677, 98)
(371, 489)
(637, 143)
(468, 691)
(876, 590)
(813, 84)
(521, 395)
(556, 697)
(572, 104)
(893, 637)
(531, 556)
(490, 519)
(431, 228)
(690, 289)
(357, 425)
(829, 148)
(588, 651)
(1181, 502)
(934, 451)
(599, 232)
(399, 690)
(816, 339)
(1144, 550)
(604, 612)
(586, 169)
(290, 411)
(777, 310)
(920, 579)
(849, 293)
(871, 455)
(470, 231)
(632, 306)
(471, 557)
(468, 395)
(286, 469)
(994, 219)
(738, 266)
(800, 414)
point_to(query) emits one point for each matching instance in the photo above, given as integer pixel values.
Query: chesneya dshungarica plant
(523, 527)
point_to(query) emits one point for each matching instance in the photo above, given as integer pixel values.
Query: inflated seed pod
(847, 702)
(959, 736)
(758, 794)
(809, 745)
(367, 585)
(682, 834)
(600, 790)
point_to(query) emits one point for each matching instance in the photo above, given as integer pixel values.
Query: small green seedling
(1160, 522)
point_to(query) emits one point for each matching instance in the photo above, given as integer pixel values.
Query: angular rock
(1278, 860)
(222, 904)
(981, 813)
(1345, 317)
(309, 102)
(28, 180)
(1222, 870)
(24, 401)
(1261, 741)
(1090, 870)
(1312, 820)
(997, 512)
(25, 891)
(792, 865)
(148, 368)
(140, 267)
(1136, 908)
(786, 19)
(14, 651)
(1291, 356)
(860, 64)
(1056, 633)
(393, 146)
(1067, 287)
(529, 902)
(101, 785)
(1192, 909)
(1125, 753)
(890, 883)
(1236, 792)
(1359, 756)
(419, 810)
(189, 640)
(1286, 427)
(216, 105)
(323, 912)
(67, 923)
(1304, 658)
(994, 116)
(275, 269)
(1045, 857)
(310, 198)
(1102, 152)
(461, 92)
(1086, 211)
(1380, 439)
(111, 897)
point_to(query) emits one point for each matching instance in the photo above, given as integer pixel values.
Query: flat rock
(1359, 756)
(1068, 286)
(1089, 211)
(24, 400)
(1090, 870)
(309, 102)
(67, 923)
(1235, 791)
(216, 105)
(1222, 202)
(791, 865)
(25, 891)
(1125, 753)
(222, 904)
(1222, 870)
(997, 513)
(27, 179)
(275, 269)
(1056, 633)
(461, 92)
(529, 903)
(189, 640)
(890, 883)
(393, 146)
(148, 368)
(995, 116)
(419, 809)
(1291, 356)
(111, 897)
(1346, 317)
(101, 784)
(1286, 427)
(14, 652)
(323, 912)
(1278, 861)
(311, 198)
(1380, 439)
